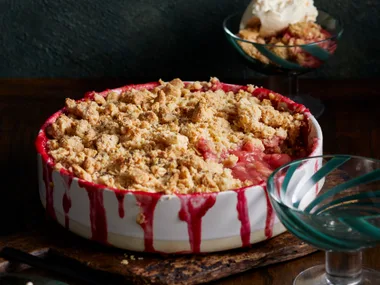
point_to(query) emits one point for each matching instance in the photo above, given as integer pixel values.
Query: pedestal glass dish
(336, 209)
(283, 73)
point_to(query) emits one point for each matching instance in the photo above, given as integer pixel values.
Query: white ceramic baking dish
(172, 223)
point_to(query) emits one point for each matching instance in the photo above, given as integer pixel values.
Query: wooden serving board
(142, 268)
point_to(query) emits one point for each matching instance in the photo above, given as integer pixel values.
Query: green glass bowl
(335, 208)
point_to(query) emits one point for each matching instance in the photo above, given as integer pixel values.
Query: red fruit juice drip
(242, 209)
(66, 201)
(48, 179)
(269, 222)
(193, 208)
(147, 205)
(97, 212)
(120, 200)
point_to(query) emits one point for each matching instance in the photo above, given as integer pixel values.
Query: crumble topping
(174, 138)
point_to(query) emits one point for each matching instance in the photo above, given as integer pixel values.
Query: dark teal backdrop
(157, 38)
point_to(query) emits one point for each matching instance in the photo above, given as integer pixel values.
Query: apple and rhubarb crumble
(287, 44)
(175, 138)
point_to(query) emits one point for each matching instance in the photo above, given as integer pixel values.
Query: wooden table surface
(350, 123)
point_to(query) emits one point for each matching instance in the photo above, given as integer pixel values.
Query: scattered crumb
(133, 257)
(140, 258)
(124, 262)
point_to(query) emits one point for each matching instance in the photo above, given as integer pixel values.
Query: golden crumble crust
(174, 138)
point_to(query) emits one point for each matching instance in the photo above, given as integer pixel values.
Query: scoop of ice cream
(276, 15)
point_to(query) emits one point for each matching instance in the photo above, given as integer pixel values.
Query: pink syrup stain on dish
(47, 170)
(316, 166)
(243, 216)
(120, 200)
(193, 209)
(98, 217)
(66, 200)
(269, 221)
(147, 205)
(242, 208)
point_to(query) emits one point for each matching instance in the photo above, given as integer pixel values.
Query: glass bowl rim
(270, 180)
(232, 35)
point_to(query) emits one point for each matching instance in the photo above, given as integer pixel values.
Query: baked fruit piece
(176, 137)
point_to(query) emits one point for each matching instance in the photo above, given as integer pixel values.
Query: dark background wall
(157, 38)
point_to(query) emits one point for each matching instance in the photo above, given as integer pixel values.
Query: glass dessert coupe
(280, 70)
(335, 208)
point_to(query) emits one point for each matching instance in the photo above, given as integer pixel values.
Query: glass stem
(293, 85)
(343, 268)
